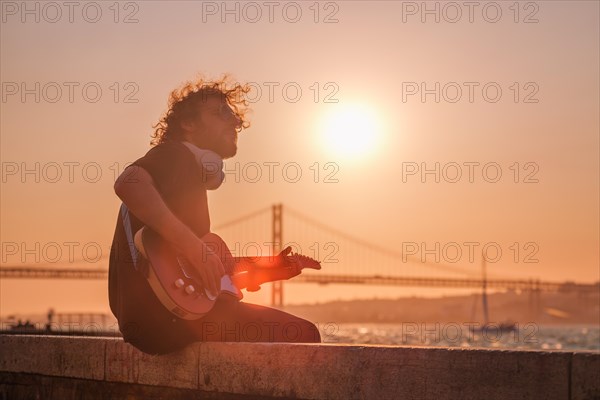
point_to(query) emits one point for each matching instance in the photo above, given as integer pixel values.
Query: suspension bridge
(345, 259)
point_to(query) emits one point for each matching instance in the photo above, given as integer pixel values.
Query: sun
(350, 131)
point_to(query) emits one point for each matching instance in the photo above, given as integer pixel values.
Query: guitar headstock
(300, 262)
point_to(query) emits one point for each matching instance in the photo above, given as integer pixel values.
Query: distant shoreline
(547, 309)
(553, 309)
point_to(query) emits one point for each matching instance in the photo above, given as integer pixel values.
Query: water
(528, 336)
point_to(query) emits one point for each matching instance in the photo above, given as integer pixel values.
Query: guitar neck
(246, 263)
(254, 259)
(254, 271)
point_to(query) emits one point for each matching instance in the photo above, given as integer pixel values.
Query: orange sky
(369, 56)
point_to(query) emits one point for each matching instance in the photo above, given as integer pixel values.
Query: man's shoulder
(169, 163)
(172, 152)
(170, 146)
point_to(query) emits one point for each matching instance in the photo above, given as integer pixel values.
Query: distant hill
(553, 308)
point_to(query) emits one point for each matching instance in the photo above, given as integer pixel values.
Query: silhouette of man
(166, 190)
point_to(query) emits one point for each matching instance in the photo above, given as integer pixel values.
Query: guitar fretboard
(243, 264)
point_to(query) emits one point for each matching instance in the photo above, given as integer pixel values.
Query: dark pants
(228, 321)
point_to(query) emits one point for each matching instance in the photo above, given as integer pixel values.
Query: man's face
(214, 127)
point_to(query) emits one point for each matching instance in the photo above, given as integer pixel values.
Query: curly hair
(183, 104)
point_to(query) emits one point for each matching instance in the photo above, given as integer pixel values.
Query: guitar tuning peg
(286, 251)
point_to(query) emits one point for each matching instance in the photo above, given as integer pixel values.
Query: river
(528, 336)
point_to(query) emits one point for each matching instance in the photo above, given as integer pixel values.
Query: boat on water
(488, 327)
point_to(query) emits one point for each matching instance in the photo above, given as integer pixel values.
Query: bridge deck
(320, 278)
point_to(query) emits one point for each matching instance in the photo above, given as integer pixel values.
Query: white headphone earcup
(212, 165)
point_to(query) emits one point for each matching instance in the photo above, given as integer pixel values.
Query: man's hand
(207, 266)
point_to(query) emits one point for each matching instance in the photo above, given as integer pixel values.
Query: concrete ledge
(585, 376)
(308, 371)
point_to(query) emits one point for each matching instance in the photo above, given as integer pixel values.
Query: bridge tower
(277, 239)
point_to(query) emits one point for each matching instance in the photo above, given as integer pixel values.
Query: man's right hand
(208, 267)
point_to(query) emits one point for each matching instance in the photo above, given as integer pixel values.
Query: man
(166, 190)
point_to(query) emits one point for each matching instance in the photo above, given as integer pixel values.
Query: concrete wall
(55, 367)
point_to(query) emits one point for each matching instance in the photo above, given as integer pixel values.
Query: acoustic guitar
(176, 283)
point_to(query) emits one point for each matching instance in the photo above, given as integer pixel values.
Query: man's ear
(187, 125)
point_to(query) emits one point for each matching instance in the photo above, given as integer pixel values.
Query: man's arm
(136, 189)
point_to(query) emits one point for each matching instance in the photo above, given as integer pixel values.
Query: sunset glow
(433, 129)
(351, 131)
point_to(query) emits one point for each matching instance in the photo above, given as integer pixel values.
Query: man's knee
(301, 331)
(313, 335)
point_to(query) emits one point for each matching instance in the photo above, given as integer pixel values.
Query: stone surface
(14, 386)
(69, 356)
(585, 376)
(308, 371)
(358, 372)
(124, 363)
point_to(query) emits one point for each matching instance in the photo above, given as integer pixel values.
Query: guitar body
(172, 280)
(174, 283)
